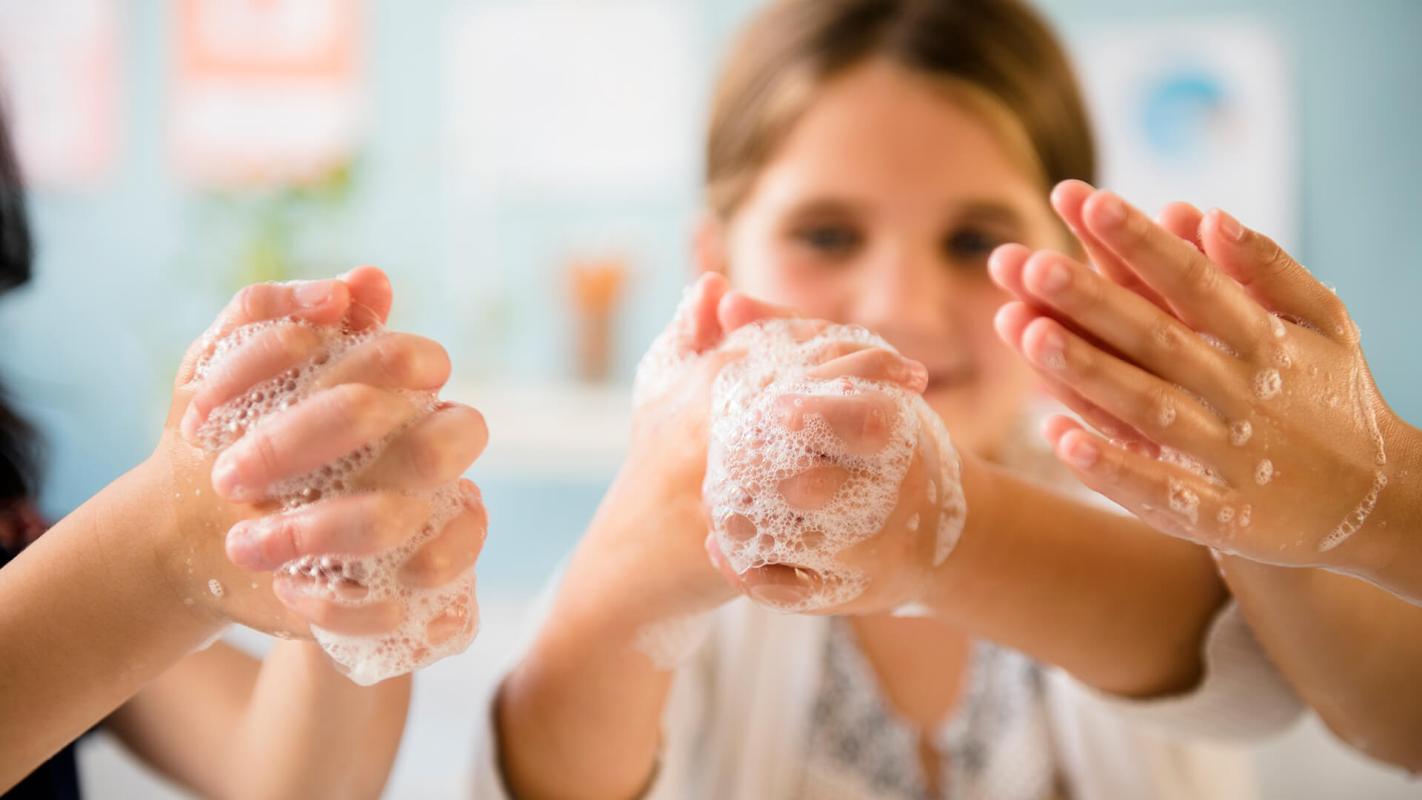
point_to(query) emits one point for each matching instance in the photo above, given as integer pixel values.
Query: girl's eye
(828, 240)
(971, 246)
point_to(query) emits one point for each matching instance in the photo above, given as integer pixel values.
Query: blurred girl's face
(880, 208)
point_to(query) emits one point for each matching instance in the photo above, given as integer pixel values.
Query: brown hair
(1000, 50)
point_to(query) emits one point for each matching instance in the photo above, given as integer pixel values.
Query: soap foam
(751, 453)
(436, 622)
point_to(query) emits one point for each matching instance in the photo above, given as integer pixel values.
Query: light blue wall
(131, 271)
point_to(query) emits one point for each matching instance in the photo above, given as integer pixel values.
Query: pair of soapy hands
(231, 534)
(1237, 408)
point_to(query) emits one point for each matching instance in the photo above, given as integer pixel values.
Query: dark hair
(1001, 51)
(19, 444)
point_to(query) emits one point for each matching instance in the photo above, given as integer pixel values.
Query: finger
(814, 487)
(1164, 413)
(390, 361)
(433, 452)
(1069, 199)
(1005, 266)
(308, 599)
(319, 430)
(450, 554)
(736, 310)
(371, 297)
(1198, 292)
(783, 587)
(1011, 322)
(1129, 325)
(322, 302)
(861, 423)
(352, 525)
(876, 364)
(1183, 220)
(264, 356)
(1169, 498)
(1273, 278)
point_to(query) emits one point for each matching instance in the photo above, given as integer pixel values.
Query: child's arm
(1310, 467)
(223, 724)
(137, 578)
(1092, 591)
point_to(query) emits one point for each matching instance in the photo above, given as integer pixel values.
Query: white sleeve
(1241, 696)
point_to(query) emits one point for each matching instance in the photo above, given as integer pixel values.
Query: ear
(708, 244)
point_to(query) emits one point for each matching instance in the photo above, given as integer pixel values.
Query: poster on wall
(1200, 111)
(265, 91)
(59, 78)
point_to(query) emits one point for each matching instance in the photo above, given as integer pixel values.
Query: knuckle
(1201, 276)
(252, 302)
(1167, 337)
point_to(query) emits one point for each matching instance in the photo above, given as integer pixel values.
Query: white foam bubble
(1357, 517)
(1218, 344)
(214, 586)
(1183, 500)
(1276, 326)
(1267, 383)
(1264, 472)
(436, 622)
(1239, 432)
(1166, 415)
(752, 452)
(1225, 515)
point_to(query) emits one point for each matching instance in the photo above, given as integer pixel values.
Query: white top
(736, 722)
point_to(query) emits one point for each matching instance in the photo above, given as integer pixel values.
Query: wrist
(959, 585)
(1387, 549)
(154, 497)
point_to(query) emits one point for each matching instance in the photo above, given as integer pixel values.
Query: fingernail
(1056, 278)
(224, 479)
(915, 374)
(1111, 210)
(189, 425)
(310, 294)
(1053, 351)
(1230, 227)
(242, 548)
(1083, 454)
(778, 596)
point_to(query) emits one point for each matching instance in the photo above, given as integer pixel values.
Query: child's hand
(857, 522)
(356, 400)
(1207, 340)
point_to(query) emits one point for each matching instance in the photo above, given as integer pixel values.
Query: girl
(864, 158)
(104, 616)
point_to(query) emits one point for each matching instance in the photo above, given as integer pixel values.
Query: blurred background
(527, 172)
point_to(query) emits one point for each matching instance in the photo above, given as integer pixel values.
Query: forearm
(1351, 650)
(581, 714)
(88, 618)
(1120, 607)
(309, 732)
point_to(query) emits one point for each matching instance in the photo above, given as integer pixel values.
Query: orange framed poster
(265, 91)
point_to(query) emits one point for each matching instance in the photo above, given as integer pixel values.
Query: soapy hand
(332, 463)
(1233, 378)
(831, 486)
